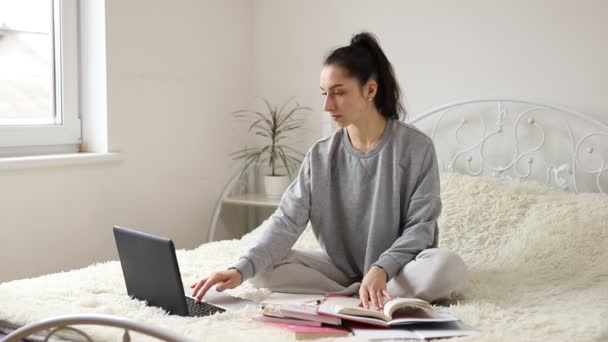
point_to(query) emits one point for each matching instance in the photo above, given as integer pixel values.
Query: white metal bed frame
(66, 323)
(566, 175)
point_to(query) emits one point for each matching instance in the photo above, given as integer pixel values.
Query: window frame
(28, 139)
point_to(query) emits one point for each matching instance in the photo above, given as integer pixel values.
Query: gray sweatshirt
(374, 208)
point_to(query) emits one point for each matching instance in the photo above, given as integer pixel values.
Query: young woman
(371, 193)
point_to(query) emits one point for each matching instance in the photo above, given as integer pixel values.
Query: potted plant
(273, 126)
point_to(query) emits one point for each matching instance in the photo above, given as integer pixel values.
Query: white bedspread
(537, 259)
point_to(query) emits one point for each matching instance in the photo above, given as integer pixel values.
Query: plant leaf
(248, 164)
(293, 124)
(269, 106)
(254, 124)
(285, 162)
(296, 160)
(287, 129)
(292, 112)
(244, 151)
(245, 156)
(261, 115)
(263, 134)
(285, 104)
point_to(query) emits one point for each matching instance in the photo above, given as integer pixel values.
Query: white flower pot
(275, 186)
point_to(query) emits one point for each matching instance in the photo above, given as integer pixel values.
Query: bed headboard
(514, 138)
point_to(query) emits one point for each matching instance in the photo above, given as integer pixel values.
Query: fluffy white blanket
(537, 259)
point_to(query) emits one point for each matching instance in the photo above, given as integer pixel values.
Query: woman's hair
(364, 60)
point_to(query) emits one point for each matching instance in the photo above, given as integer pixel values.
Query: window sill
(54, 160)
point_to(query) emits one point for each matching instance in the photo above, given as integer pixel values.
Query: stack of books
(303, 320)
(297, 314)
(334, 316)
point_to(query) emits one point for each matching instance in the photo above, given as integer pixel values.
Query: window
(39, 107)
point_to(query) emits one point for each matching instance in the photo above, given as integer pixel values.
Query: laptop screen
(150, 269)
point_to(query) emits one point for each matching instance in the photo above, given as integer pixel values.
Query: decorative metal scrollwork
(569, 172)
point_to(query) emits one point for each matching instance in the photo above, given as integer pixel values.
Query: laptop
(151, 273)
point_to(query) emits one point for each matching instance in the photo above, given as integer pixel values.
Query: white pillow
(523, 225)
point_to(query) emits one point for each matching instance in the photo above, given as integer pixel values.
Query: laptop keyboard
(202, 308)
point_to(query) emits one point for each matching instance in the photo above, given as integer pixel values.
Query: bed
(524, 190)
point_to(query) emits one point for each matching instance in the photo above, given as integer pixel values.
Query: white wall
(175, 71)
(442, 51)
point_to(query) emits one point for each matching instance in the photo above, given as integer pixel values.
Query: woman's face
(345, 100)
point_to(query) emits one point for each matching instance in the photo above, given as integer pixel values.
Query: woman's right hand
(227, 279)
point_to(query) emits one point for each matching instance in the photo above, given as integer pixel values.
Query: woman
(371, 193)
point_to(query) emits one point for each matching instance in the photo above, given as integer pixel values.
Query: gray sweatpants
(435, 274)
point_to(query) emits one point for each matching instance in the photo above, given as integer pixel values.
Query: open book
(396, 311)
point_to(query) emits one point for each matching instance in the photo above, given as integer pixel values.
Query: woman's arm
(283, 228)
(279, 234)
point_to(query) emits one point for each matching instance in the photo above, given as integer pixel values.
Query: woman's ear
(370, 90)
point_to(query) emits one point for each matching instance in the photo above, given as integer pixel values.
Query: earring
(369, 99)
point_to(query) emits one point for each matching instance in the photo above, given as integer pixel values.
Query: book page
(405, 304)
(349, 306)
(420, 316)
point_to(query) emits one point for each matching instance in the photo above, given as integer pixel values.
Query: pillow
(523, 225)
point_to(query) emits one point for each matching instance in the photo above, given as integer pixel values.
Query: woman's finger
(387, 295)
(203, 287)
(374, 299)
(380, 295)
(363, 296)
(198, 282)
(203, 290)
(197, 286)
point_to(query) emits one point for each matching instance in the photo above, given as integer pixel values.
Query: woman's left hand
(373, 288)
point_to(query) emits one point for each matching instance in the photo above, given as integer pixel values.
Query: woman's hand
(227, 279)
(373, 288)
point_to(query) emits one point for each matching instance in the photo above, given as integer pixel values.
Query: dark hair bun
(363, 38)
